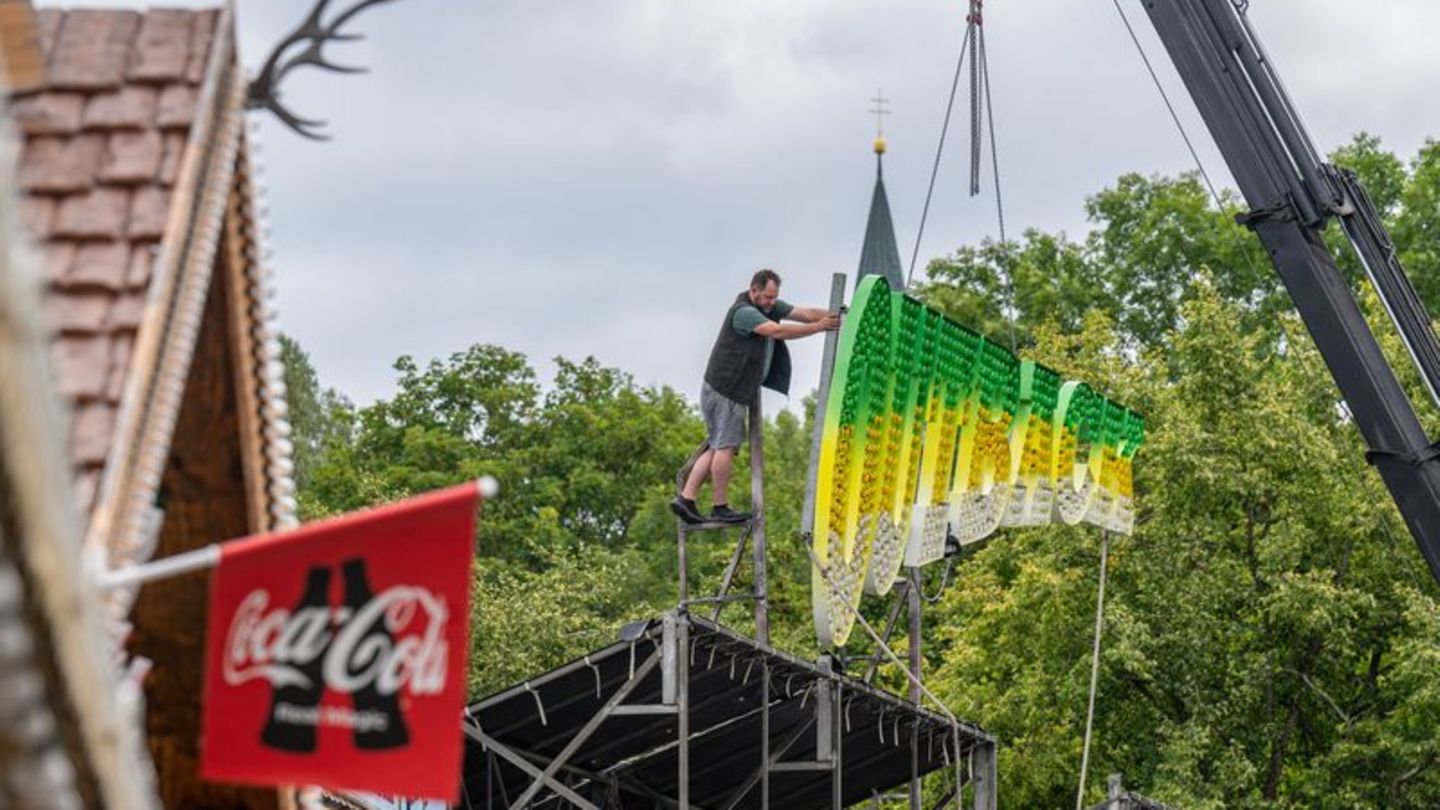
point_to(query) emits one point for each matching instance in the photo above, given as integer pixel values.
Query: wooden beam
(22, 63)
(232, 264)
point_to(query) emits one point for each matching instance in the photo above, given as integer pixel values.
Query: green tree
(1416, 226)
(579, 540)
(529, 619)
(321, 419)
(576, 464)
(1154, 235)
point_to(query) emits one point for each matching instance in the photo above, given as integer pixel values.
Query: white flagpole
(209, 556)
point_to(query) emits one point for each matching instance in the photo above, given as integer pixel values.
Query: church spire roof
(880, 255)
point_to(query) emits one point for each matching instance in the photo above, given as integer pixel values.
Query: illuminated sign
(929, 430)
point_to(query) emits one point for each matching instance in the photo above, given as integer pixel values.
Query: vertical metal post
(984, 778)
(824, 717)
(757, 527)
(837, 723)
(817, 431)
(683, 564)
(912, 596)
(669, 665)
(765, 735)
(682, 700)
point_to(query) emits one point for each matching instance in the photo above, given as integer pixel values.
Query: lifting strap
(1413, 459)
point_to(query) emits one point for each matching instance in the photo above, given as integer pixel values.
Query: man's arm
(789, 331)
(807, 314)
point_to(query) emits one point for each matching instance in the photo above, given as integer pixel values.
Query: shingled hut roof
(133, 155)
(104, 139)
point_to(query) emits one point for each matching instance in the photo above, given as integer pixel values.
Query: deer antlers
(309, 38)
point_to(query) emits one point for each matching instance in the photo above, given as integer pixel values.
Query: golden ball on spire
(880, 145)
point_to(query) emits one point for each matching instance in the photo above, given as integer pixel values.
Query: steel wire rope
(1174, 116)
(1200, 165)
(1105, 535)
(977, 144)
(999, 197)
(1194, 154)
(939, 152)
(982, 118)
(944, 583)
(1284, 329)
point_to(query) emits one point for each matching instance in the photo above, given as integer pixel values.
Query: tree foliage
(319, 417)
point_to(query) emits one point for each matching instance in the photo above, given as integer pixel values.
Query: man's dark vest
(737, 361)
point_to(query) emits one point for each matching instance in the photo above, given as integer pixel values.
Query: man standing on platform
(746, 356)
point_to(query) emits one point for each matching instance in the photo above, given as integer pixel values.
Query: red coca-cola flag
(336, 652)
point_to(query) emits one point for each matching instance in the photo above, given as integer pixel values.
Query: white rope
(1094, 667)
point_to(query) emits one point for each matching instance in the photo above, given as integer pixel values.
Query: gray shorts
(724, 419)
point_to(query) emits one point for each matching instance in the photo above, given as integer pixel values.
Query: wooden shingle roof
(104, 140)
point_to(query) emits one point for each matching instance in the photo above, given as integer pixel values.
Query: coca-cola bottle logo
(394, 641)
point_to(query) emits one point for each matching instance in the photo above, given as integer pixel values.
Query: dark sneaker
(724, 514)
(685, 511)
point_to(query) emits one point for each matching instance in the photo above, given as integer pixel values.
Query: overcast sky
(574, 177)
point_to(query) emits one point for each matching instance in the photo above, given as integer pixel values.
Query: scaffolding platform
(675, 716)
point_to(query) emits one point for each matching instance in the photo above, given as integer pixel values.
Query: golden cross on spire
(880, 110)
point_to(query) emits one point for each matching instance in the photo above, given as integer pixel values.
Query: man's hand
(829, 322)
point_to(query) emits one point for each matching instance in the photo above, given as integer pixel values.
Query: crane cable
(1174, 116)
(1200, 166)
(982, 118)
(939, 151)
(1367, 480)
(1009, 290)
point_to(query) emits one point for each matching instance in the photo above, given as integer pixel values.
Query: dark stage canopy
(628, 752)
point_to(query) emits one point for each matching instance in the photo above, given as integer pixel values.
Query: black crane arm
(1293, 194)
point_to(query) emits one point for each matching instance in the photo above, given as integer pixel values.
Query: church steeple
(880, 255)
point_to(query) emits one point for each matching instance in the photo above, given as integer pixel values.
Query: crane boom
(1292, 194)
